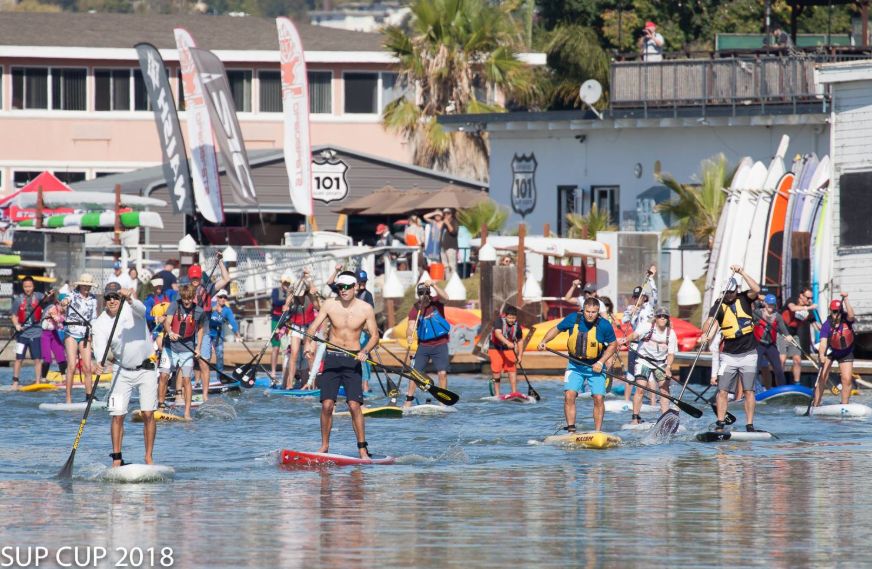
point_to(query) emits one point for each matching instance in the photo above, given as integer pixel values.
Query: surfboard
(775, 232)
(592, 440)
(136, 416)
(77, 406)
(33, 387)
(428, 409)
(755, 251)
(800, 195)
(716, 436)
(517, 397)
(295, 458)
(87, 200)
(58, 377)
(785, 394)
(620, 406)
(375, 412)
(138, 473)
(741, 231)
(312, 393)
(849, 410)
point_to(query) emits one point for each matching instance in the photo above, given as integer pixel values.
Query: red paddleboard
(295, 458)
(516, 396)
(775, 235)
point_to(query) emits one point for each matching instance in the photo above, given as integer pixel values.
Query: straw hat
(86, 279)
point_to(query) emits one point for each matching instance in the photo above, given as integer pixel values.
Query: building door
(566, 204)
(607, 199)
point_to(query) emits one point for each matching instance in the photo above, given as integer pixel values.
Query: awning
(48, 182)
(380, 197)
(549, 246)
(452, 197)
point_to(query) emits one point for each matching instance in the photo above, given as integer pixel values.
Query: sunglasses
(662, 316)
(808, 297)
(345, 287)
(111, 296)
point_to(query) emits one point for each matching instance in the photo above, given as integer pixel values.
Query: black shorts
(341, 369)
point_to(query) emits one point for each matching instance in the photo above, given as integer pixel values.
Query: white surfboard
(741, 224)
(839, 410)
(621, 406)
(756, 248)
(138, 473)
(428, 409)
(87, 200)
(77, 406)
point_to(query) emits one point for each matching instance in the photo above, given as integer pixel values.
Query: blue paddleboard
(787, 394)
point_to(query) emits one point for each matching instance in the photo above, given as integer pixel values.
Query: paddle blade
(66, 472)
(244, 375)
(668, 423)
(729, 419)
(533, 393)
(688, 408)
(443, 395)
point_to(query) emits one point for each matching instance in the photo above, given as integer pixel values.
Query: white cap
(287, 277)
(221, 292)
(157, 282)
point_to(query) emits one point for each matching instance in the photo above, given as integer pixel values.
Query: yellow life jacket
(584, 345)
(735, 322)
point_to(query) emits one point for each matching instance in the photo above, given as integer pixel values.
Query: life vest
(34, 305)
(841, 337)
(584, 345)
(790, 319)
(510, 333)
(763, 329)
(159, 309)
(184, 325)
(647, 337)
(735, 322)
(160, 299)
(302, 315)
(432, 325)
(279, 308)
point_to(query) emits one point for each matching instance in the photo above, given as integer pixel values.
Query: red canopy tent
(48, 183)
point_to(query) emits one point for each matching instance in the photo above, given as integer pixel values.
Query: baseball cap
(650, 24)
(195, 272)
(222, 292)
(380, 228)
(836, 305)
(661, 311)
(111, 288)
(346, 278)
(117, 265)
(589, 287)
(157, 282)
(637, 292)
(770, 299)
(287, 277)
(446, 210)
(362, 276)
(184, 281)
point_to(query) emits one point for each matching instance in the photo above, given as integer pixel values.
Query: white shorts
(145, 380)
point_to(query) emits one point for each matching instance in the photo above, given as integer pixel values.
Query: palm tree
(486, 212)
(574, 56)
(696, 210)
(453, 51)
(587, 226)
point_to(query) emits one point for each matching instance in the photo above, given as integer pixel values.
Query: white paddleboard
(716, 437)
(849, 410)
(741, 231)
(428, 409)
(77, 406)
(621, 406)
(137, 473)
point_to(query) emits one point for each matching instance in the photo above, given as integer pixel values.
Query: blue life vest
(432, 326)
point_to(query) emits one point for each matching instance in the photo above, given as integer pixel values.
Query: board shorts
(732, 366)
(502, 360)
(786, 348)
(644, 371)
(843, 358)
(574, 380)
(177, 360)
(206, 347)
(25, 345)
(340, 369)
(126, 380)
(436, 354)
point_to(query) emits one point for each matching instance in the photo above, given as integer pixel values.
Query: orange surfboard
(775, 235)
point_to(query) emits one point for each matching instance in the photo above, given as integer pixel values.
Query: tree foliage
(486, 212)
(588, 225)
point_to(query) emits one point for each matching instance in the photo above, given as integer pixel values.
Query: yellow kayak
(39, 387)
(58, 377)
(592, 439)
(159, 416)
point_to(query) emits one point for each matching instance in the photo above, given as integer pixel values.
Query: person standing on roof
(651, 43)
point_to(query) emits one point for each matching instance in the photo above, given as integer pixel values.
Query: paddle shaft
(67, 471)
(225, 378)
(687, 408)
(26, 318)
(705, 338)
(241, 373)
(814, 392)
(530, 390)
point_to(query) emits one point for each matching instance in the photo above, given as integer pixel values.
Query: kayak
(849, 410)
(621, 406)
(593, 440)
(136, 417)
(136, 473)
(517, 397)
(785, 394)
(38, 387)
(720, 436)
(428, 409)
(58, 377)
(387, 411)
(77, 406)
(295, 458)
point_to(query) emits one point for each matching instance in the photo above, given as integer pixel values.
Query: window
(854, 212)
(99, 174)
(240, 88)
(606, 199)
(21, 179)
(361, 93)
(29, 88)
(270, 91)
(68, 89)
(320, 92)
(70, 177)
(141, 102)
(112, 89)
(566, 204)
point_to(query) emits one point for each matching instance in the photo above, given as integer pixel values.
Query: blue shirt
(216, 322)
(605, 333)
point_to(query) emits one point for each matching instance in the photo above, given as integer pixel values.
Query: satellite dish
(589, 93)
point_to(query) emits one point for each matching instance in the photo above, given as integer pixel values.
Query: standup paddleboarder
(592, 342)
(348, 316)
(506, 349)
(738, 351)
(657, 345)
(134, 366)
(837, 345)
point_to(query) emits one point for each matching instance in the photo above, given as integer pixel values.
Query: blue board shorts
(574, 380)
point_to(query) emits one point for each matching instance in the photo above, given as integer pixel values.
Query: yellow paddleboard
(593, 439)
(396, 412)
(159, 416)
(39, 387)
(58, 377)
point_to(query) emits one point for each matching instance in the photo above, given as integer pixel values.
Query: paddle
(26, 318)
(393, 388)
(730, 418)
(530, 391)
(245, 374)
(67, 471)
(813, 393)
(686, 407)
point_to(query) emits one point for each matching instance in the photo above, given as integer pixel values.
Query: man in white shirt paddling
(134, 364)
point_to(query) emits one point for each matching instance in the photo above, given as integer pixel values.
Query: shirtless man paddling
(348, 316)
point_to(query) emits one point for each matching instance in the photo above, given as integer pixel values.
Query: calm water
(472, 490)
